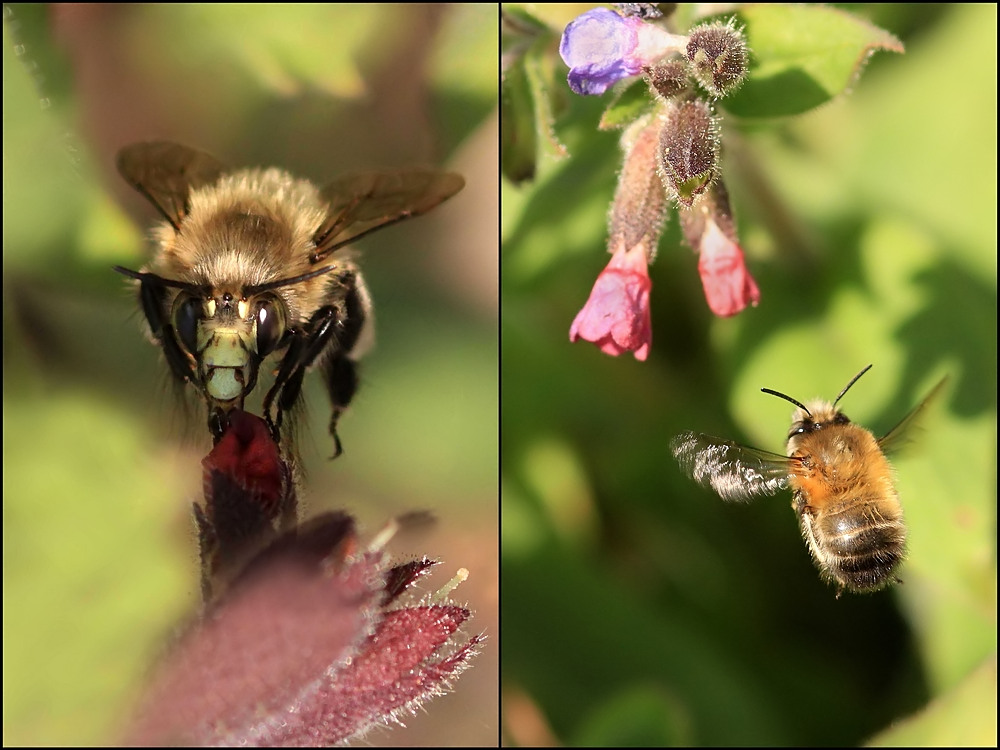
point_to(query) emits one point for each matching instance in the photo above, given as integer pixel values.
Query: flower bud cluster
(718, 56)
(602, 47)
(671, 156)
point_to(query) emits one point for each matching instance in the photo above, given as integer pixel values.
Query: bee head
(818, 414)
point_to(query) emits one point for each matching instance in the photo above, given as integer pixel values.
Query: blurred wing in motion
(735, 472)
(904, 432)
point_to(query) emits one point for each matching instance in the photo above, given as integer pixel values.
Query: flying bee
(251, 263)
(843, 488)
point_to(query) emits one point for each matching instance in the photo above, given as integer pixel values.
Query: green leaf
(528, 98)
(629, 105)
(802, 57)
(642, 715)
(519, 143)
(965, 716)
(29, 26)
(518, 31)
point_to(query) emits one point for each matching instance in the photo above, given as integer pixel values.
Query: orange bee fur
(843, 486)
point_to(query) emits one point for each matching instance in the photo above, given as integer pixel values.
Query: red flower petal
(394, 672)
(616, 316)
(257, 650)
(729, 287)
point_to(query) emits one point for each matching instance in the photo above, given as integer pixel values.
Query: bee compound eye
(804, 427)
(186, 317)
(270, 326)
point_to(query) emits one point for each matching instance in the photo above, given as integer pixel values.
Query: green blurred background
(638, 608)
(100, 560)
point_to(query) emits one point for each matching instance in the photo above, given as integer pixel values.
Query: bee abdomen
(861, 547)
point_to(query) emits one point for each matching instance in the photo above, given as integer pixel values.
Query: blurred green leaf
(93, 575)
(530, 96)
(965, 716)
(519, 31)
(802, 57)
(627, 106)
(518, 125)
(639, 716)
(30, 28)
(286, 37)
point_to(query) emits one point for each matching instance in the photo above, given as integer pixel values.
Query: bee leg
(341, 376)
(289, 365)
(339, 368)
(328, 337)
(306, 345)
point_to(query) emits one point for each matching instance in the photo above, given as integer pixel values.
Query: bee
(252, 263)
(843, 488)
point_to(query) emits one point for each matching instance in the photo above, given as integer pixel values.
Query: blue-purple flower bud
(600, 47)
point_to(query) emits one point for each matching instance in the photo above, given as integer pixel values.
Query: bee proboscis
(251, 263)
(843, 487)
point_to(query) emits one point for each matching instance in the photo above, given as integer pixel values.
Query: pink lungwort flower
(729, 287)
(616, 316)
(601, 47)
(709, 229)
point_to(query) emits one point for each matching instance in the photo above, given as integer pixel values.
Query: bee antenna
(853, 381)
(787, 398)
(258, 288)
(151, 278)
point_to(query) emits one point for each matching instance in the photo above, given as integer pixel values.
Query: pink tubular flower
(709, 229)
(616, 316)
(729, 287)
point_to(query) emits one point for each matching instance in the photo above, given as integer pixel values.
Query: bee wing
(366, 202)
(735, 472)
(903, 433)
(165, 172)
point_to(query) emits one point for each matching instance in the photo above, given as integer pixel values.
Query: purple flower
(600, 47)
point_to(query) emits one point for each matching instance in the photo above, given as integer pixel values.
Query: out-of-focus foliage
(528, 100)
(100, 555)
(639, 609)
(804, 57)
(964, 716)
